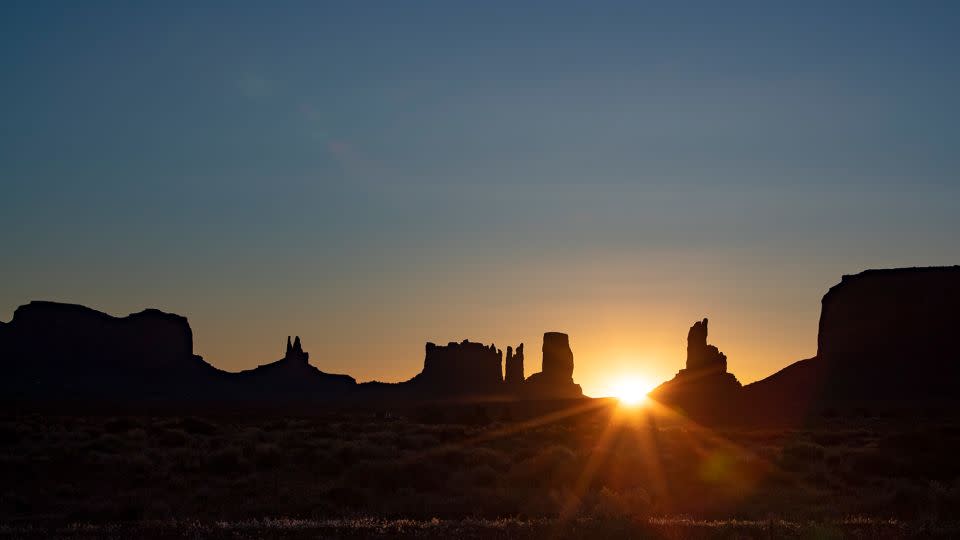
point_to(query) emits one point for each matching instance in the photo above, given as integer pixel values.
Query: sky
(375, 175)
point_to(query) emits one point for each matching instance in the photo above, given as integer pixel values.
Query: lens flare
(631, 390)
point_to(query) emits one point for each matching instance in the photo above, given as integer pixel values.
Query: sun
(632, 390)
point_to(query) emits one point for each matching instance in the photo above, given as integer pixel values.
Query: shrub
(172, 438)
(227, 460)
(633, 503)
(119, 425)
(350, 496)
(267, 454)
(107, 444)
(484, 476)
(555, 465)
(9, 434)
(417, 441)
(196, 426)
(800, 456)
(137, 465)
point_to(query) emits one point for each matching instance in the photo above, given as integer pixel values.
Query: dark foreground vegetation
(602, 472)
(474, 528)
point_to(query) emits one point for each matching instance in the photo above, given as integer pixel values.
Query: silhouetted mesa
(464, 369)
(52, 351)
(65, 351)
(555, 380)
(146, 356)
(884, 335)
(704, 389)
(893, 331)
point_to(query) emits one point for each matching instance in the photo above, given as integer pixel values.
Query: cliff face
(469, 369)
(50, 331)
(58, 350)
(885, 335)
(557, 357)
(555, 380)
(463, 368)
(701, 357)
(891, 331)
(513, 375)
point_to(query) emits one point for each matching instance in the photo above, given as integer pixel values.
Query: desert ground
(595, 470)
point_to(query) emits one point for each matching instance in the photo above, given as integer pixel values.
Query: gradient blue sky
(373, 175)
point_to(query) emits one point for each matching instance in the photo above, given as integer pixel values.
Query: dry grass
(505, 528)
(342, 475)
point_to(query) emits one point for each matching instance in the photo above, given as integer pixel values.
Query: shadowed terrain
(592, 471)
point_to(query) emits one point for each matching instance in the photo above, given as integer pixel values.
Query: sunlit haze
(631, 390)
(371, 177)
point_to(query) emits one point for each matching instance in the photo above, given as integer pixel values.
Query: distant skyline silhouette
(372, 178)
(885, 336)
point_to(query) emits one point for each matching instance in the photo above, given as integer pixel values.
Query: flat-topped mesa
(514, 366)
(555, 380)
(886, 335)
(75, 335)
(67, 351)
(295, 352)
(891, 333)
(557, 356)
(462, 368)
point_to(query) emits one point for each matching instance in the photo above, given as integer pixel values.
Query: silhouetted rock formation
(146, 356)
(463, 369)
(557, 357)
(884, 335)
(292, 377)
(52, 351)
(514, 368)
(555, 380)
(892, 330)
(295, 352)
(789, 394)
(64, 351)
(701, 357)
(703, 389)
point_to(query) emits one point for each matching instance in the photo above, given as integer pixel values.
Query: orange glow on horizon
(631, 390)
